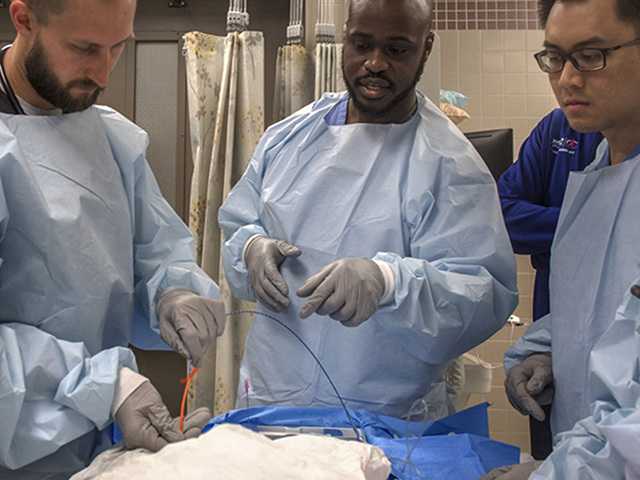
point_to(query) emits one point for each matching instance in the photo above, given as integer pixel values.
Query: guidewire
(324, 371)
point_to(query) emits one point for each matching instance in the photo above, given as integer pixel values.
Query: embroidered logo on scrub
(564, 145)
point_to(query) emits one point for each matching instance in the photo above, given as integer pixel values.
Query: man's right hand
(263, 259)
(146, 423)
(530, 385)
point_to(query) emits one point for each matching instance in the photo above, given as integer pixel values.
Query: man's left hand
(513, 472)
(190, 323)
(635, 291)
(347, 290)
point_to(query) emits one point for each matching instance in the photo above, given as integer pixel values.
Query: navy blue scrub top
(532, 189)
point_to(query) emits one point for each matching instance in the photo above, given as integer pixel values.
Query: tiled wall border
(485, 15)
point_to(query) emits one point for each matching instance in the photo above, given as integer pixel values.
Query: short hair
(43, 8)
(628, 10)
(428, 6)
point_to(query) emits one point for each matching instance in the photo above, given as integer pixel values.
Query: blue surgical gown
(415, 195)
(606, 444)
(532, 189)
(86, 243)
(595, 257)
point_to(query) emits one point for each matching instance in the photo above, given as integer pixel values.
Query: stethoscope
(6, 86)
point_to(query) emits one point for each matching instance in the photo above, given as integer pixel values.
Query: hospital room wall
(496, 70)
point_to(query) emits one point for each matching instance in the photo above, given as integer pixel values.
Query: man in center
(372, 228)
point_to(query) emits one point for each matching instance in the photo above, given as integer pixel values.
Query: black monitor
(495, 147)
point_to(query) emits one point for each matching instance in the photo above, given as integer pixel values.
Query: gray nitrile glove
(146, 422)
(263, 259)
(530, 385)
(347, 290)
(512, 472)
(189, 323)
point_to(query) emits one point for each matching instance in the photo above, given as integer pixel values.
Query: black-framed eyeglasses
(584, 59)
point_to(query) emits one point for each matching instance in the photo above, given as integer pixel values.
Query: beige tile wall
(496, 70)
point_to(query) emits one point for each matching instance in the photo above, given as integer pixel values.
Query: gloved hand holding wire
(190, 323)
(263, 258)
(146, 423)
(530, 385)
(513, 472)
(347, 290)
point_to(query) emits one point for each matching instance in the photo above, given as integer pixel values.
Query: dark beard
(47, 85)
(399, 99)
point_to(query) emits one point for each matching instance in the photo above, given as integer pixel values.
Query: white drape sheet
(232, 452)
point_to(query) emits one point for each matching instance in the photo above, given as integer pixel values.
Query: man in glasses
(531, 193)
(585, 352)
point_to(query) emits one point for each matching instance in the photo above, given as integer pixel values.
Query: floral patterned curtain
(225, 80)
(294, 81)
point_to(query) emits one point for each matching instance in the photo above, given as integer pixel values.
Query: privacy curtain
(328, 71)
(294, 68)
(225, 81)
(294, 86)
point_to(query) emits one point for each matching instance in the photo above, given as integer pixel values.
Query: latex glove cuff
(389, 282)
(128, 382)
